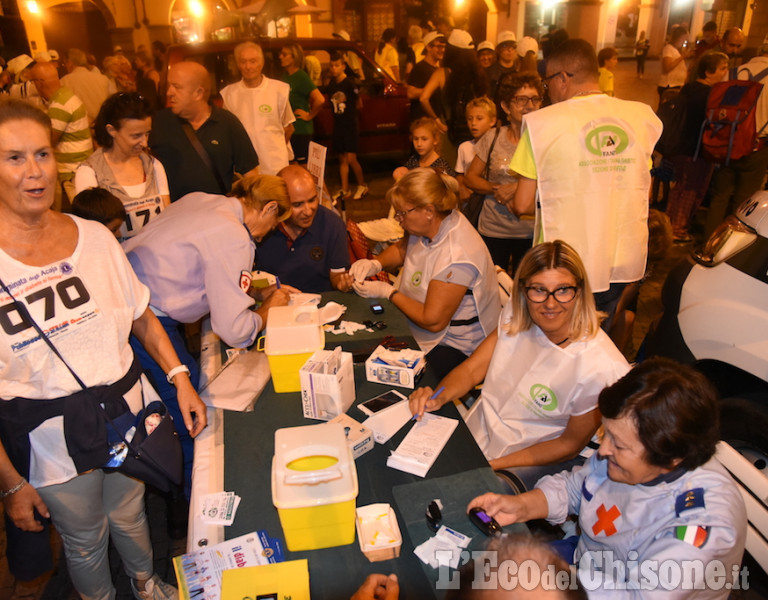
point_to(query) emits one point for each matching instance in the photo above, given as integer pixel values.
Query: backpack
(671, 112)
(729, 131)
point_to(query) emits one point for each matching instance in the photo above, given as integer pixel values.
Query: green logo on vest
(606, 140)
(265, 108)
(416, 278)
(543, 397)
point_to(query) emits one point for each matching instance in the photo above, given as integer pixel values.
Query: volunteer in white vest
(263, 107)
(543, 369)
(587, 158)
(448, 288)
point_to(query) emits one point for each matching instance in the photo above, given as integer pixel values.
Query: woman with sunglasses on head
(543, 370)
(506, 236)
(123, 165)
(448, 288)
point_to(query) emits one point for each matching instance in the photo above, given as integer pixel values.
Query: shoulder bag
(154, 458)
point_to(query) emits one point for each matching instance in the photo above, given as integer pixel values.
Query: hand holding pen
(424, 399)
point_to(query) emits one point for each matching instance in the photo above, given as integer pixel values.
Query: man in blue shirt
(308, 251)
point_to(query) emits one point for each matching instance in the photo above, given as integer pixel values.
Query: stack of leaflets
(425, 441)
(199, 573)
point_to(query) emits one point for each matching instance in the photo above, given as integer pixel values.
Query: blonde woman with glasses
(543, 370)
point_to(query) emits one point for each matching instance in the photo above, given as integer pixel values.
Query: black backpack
(672, 112)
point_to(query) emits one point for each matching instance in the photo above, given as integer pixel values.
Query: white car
(716, 318)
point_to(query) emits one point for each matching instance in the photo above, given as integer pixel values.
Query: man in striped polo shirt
(71, 133)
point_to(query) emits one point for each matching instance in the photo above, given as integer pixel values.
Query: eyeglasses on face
(522, 101)
(563, 294)
(548, 78)
(401, 214)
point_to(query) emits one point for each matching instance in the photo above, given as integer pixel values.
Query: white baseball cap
(17, 64)
(506, 37)
(54, 54)
(431, 37)
(486, 45)
(526, 45)
(43, 57)
(461, 39)
(341, 34)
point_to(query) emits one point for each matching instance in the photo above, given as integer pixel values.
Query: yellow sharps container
(314, 486)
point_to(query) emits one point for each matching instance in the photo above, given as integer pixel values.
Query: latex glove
(363, 268)
(374, 289)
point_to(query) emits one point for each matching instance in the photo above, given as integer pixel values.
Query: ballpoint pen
(438, 391)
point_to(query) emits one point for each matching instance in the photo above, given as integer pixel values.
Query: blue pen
(277, 282)
(438, 391)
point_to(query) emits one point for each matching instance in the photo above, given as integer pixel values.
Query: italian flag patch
(694, 535)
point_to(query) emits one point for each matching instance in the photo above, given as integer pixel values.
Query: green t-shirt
(301, 87)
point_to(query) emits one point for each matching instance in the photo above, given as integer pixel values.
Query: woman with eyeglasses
(448, 288)
(543, 369)
(122, 164)
(507, 236)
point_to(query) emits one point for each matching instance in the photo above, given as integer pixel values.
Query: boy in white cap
(23, 88)
(486, 54)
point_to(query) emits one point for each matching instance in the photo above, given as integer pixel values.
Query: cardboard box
(394, 371)
(325, 395)
(378, 532)
(359, 437)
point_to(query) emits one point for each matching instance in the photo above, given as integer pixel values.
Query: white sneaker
(155, 589)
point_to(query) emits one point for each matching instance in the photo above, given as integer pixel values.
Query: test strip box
(392, 374)
(327, 395)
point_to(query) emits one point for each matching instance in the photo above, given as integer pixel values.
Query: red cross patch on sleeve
(245, 280)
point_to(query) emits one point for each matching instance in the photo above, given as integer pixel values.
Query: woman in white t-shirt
(674, 72)
(122, 164)
(543, 370)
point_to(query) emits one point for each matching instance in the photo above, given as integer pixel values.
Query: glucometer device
(484, 522)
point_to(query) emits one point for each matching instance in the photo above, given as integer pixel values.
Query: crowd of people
(557, 166)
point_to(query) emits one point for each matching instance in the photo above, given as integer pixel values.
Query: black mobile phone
(377, 308)
(484, 522)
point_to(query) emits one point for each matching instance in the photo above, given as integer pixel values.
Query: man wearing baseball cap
(508, 62)
(434, 50)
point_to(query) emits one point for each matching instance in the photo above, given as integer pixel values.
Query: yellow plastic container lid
(312, 466)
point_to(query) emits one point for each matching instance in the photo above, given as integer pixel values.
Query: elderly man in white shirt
(262, 106)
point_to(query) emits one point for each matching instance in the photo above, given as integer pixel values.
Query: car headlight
(730, 237)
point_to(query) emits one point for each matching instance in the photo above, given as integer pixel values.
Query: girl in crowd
(425, 137)
(123, 165)
(448, 288)
(507, 237)
(543, 369)
(306, 100)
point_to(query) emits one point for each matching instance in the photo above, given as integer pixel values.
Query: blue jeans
(167, 392)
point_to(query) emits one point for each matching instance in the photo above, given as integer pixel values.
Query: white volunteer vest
(533, 387)
(592, 156)
(260, 110)
(457, 242)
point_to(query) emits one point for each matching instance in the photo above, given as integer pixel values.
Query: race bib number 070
(55, 297)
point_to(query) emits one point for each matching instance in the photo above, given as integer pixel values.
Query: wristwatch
(175, 371)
